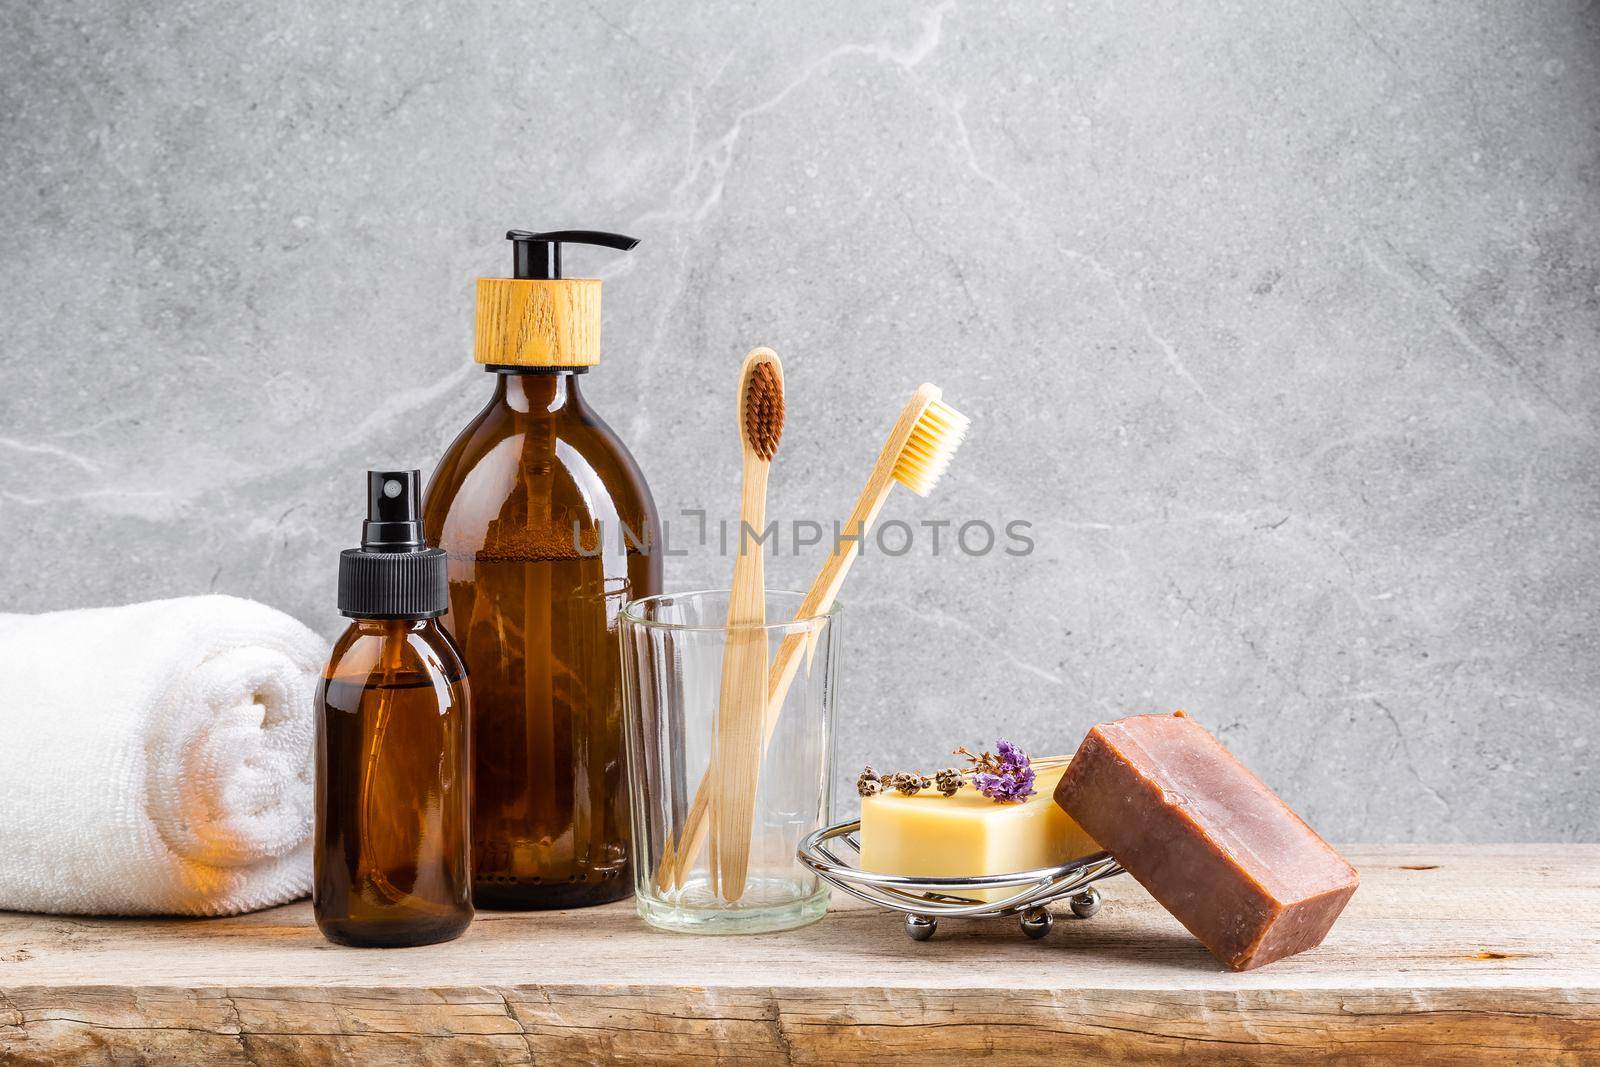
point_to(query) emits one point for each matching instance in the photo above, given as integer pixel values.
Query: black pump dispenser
(393, 575)
(538, 255)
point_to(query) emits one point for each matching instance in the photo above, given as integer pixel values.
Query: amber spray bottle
(392, 855)
(550, 529)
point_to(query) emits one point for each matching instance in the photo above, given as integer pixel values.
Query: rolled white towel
(156, 758)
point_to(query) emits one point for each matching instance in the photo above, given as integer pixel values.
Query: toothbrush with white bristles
(917, 452)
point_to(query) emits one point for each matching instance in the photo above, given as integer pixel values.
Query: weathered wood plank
(800, 1025)
(1441, 959)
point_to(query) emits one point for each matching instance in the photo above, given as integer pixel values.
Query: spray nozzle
(394, 574)
(394, 512)
(538, 255)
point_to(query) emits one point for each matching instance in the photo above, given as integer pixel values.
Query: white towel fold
(156, 758)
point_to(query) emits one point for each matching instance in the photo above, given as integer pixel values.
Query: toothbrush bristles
(763, 411)
(934, 440)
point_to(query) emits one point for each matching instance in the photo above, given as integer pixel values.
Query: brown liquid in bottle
(392, 853)
(545, 519)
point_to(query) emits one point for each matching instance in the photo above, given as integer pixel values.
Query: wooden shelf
(1447, 954)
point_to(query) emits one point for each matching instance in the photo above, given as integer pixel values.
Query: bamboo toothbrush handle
(820, 597)
(742, 703)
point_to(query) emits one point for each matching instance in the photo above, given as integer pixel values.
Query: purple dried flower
(1005, 778)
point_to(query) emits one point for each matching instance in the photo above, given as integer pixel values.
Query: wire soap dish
(924, 901)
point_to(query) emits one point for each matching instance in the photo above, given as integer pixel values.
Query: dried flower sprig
(1004, 776)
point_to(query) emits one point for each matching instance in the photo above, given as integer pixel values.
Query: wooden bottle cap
(528, 322)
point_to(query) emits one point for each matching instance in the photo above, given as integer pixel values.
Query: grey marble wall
(1278, 322)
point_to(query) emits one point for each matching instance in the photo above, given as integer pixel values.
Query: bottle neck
(550, 391)
(392, 628)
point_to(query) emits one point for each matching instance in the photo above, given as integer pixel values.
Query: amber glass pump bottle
(549, 529)
(392, 853)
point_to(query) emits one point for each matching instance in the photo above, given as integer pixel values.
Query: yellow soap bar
(934, 836)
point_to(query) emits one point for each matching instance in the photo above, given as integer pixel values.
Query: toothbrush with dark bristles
(736, 756)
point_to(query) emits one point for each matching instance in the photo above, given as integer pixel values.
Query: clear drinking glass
(672, 660)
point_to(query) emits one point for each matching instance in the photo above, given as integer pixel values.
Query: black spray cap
(394, 574)
(538, 255)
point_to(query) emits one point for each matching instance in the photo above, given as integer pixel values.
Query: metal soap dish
(924, 901)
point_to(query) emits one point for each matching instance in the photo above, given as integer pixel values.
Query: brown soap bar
(1207, 838)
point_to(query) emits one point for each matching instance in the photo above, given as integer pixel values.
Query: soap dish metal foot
(920, 927)
(1036, 922)
(1086, 903)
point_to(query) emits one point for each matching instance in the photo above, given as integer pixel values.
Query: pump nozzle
(538, 255)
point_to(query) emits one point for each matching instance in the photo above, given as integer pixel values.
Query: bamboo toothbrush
(741, 709)
(918, 451)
